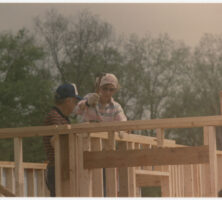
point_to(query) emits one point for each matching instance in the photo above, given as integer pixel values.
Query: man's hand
(92, 99)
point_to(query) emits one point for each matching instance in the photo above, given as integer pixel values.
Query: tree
(26, 89)
(79, 47)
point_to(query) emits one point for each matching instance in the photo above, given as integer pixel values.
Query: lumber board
(26, 165)
(188, 122)
(19, 170)
(134, 138)
(160, 156)
(6, 192)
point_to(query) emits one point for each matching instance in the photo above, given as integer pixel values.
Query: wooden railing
(131, 161)
(34, 178)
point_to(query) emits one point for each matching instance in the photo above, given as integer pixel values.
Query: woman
(100, 106)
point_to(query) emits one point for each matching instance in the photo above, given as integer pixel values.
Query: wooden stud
(111, 176)
(40, 183)
(123, 175)
(62, 174)
(219, 171)
(132, 175)
(188, 181)
(138, 189)
(30, 182)
(73, 165)
(19, 170)
(85, 175)
(9, 179)
(210, 139)
(97, 174)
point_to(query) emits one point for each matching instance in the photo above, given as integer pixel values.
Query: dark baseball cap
(67, 90)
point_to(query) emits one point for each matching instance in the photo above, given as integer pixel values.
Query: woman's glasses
(106, 89)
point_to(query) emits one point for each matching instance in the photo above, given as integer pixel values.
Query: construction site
(131, 161)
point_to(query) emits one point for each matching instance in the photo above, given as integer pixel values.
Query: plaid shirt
(54, 117)
(111, 112)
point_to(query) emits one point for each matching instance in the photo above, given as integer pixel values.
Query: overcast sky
(187, 22)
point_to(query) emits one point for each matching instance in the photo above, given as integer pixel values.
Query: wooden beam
(19, 170)
(135, 138)
(30, 182)
(210, 139)
(132, 175)
(26, 165)
(123, 175)
(111, 175)
(131, 158)
(188, 181)
(188, 122)
(97, 174)
(6, 192)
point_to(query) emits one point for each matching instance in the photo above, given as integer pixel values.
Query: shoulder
(52, 117)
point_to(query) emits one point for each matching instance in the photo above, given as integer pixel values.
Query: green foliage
(25, 86)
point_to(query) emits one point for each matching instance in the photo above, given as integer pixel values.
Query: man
(66, 98)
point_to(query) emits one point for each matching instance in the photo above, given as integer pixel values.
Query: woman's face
(106, 92)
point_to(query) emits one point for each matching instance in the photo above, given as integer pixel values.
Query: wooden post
(132, 175)
(62, 176)
(165, 181)
(40, 183)
(211, 168)
(85, 175)
(73, 165)
(97, 174)
(30, 182)
(138, 189)
(123, 175)
(219, 171)
(19, 170)
(9, 179)
(188, 181)
(111, 177)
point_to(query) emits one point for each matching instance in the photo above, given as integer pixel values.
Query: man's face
(71, 103)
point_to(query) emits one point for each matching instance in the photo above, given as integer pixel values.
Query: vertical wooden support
(111, 176)
(196, 181)
(97, 174)
(62, 176)
(30, 182)
(182, 179)
(145, 146)
(188, 181)
(40, 183)
(219, 171)
(201, 180)
(211, 168)
(9, 179)
(165, 181)
(160, 137)
(1, 178)
(132, 175)
(138, 189)
(73, 165)
(19, 170)
(85, 175)
(123, 175)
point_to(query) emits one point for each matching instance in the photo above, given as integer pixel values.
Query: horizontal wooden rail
(188, 122)
(146, 157)
(134, 138)
(26, 165)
